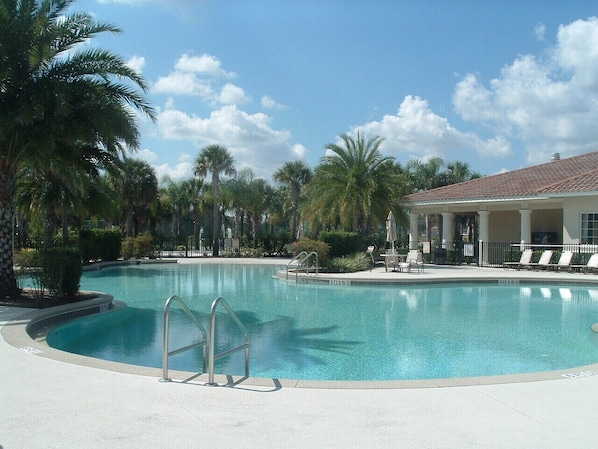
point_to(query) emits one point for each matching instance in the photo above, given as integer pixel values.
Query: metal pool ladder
(204, 341)
(302, 260)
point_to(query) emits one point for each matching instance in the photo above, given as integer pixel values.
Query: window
(589, 228)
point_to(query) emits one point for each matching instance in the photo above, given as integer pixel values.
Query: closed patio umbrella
(391, 230)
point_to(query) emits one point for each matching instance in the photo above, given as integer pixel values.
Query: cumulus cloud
(136, 63)
(269, 103)
(250, 138)
(182, 170)
(549, 103)
(205, 64)
(200, 76)
(416, 131)
(231, 94)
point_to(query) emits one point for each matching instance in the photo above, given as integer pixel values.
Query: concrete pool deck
(51, 403)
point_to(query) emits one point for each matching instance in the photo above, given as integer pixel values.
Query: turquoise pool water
(323, 332)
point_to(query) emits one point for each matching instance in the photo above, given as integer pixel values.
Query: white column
(484, 236)
(447, 229)
(413, 234)
(484, 226)
(526, 225)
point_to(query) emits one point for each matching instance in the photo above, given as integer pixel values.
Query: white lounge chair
(564, 261)
(592, 265)
(544, 261)
(524, 260)
(414, 259)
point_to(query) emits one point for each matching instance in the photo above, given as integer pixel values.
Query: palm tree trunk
(48, 229)
(8, 281)
(216, 210)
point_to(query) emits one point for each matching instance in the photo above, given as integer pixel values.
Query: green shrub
(349, 264)
(341, 243)
(309, 245)
(61, 271)
(138, 247)
(27, 264)
(99, 244)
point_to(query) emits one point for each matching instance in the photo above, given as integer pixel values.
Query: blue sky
(500, 85)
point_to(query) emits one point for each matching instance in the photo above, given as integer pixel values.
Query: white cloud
(200, 76)
(416, 131)
(204, 64)
(231, 94)
(550, 104)
(540, 32)
(182, 170)
(184, 83)
(136, 63)
(249, 137)
(269, 103)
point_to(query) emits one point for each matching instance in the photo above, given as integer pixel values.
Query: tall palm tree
(216, 160)
(136, 185)
(257, 200)
(183, 199)
(58, 101)
(294, 175)
(235, 189)
(354, 186)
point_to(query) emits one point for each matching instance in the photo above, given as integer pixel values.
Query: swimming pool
(323, 332)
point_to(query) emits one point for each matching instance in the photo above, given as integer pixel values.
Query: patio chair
(544, 261)
(414, 259)
(525, 260)
(564, 261)
(592, 265)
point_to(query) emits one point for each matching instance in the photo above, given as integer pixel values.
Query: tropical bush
(138, 247)
(341, 243)
(100, 244)
(60, 271)
(309, 245)
(349, 264)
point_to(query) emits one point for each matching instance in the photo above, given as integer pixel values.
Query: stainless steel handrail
(213, 357)
(300, 263)
(165, 352)
(295, 259)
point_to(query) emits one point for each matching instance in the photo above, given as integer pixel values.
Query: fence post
(481, 254)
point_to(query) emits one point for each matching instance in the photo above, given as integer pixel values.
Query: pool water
(322, 332)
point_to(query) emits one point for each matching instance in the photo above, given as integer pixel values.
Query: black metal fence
(488, 254)
(495, 254)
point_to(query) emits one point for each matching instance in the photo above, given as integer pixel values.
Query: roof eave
(479, 200)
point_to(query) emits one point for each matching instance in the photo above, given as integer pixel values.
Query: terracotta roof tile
(571, 175)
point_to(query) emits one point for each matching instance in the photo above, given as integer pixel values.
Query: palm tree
(136, 185)
(294, 175)
(458, 172)
(257, 201)
(235, 190)
(183, 199)
(216, 160)
(355, 186)
(58, 101)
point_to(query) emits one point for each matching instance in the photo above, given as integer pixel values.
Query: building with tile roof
(555, 202)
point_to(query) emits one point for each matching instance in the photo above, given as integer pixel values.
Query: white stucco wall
(572, 210)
